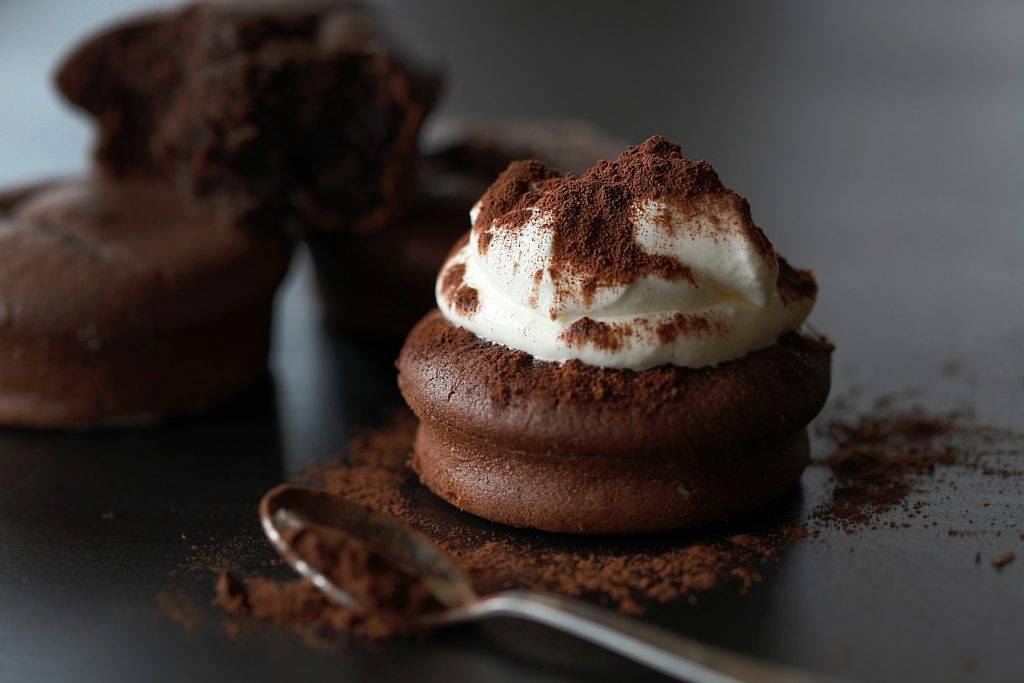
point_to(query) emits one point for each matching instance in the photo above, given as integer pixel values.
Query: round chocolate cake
(616, 352)
(117, 304)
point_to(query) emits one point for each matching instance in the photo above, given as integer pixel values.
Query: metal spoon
(288, 508)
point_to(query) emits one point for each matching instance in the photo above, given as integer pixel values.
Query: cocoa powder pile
(390, 599)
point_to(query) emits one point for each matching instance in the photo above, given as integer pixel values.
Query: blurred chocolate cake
(294, 116)
(118, 304)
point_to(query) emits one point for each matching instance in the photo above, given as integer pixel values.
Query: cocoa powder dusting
(519, 376)
(601, 335)
(451, 280)
(466, 300)
(592, 221)
(623, 573)
(594, 242)
(514, 192)
(687, 325)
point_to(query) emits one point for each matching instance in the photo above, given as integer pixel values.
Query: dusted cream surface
(732, 305)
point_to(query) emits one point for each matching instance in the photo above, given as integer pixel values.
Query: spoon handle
(658, 649)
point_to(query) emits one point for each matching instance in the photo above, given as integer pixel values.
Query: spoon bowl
(290, 508)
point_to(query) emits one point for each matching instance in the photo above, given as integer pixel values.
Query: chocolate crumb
(1003, 560)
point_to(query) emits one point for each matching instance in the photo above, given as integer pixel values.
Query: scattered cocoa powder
(373, 467)
(878, 461)
(179, 610)
(881, 459)
(624, 579)
(624, 573)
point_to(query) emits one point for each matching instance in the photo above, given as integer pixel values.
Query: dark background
(880, 143)
(899, 122)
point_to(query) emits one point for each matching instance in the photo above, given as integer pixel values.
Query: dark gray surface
(93, 527)
(881, 145)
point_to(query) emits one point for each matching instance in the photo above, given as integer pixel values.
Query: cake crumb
(1004, 559)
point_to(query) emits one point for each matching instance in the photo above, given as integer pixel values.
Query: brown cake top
(93, 261)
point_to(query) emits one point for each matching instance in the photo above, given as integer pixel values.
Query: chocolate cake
(119, 305)
(573, 448)
(289, 116)
(615, 352)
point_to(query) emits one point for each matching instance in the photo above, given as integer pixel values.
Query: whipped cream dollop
(639, 262)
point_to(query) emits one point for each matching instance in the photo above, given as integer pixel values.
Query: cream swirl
(654, 277)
